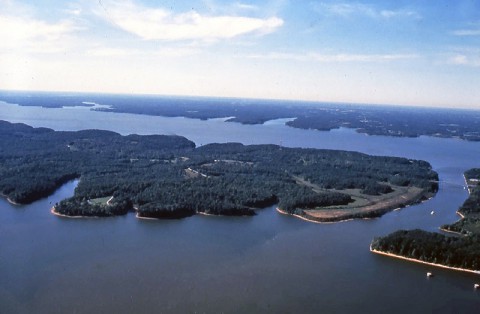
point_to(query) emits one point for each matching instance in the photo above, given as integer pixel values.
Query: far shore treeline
(395, 121)
(168, 177)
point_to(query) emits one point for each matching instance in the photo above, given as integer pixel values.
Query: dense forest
(167, 177)
(461, 251)
(372, 120)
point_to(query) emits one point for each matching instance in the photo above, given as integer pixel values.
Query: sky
(424, 52)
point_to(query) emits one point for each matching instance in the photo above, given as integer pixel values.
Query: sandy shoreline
(146, 218)
(52, 210)
(12, 202)
(477, 272)
(315, 221)
(206, 214)
(449, 231)
(9, 200)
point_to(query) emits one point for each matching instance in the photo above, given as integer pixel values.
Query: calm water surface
(267, 263)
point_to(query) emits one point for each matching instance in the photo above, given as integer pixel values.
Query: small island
(160, 176)
(459, 251)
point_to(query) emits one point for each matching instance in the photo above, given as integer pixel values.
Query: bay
(267, 263)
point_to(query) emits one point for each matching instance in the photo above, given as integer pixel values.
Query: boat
(432, 212)
(429, 274)
(476, 286)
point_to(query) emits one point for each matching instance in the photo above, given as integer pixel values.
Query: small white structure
(429, 274)
(476, 286)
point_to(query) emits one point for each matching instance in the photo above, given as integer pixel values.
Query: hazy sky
(394, 52)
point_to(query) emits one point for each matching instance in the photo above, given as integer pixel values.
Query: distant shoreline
(477, 272)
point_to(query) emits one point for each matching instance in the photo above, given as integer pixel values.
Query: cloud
(110, 52)
(169, 52)
(244, 6)
(468, 56)
(465, 60)
(336, 58)
(360, 9)
(399, 14)
(20, 29)
(362, 57)
(161, 24)
(467, 32)
(27, 34)
(345, 9)
(459, 59)
(226, 7)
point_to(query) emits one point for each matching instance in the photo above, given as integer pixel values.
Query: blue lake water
(267, 263)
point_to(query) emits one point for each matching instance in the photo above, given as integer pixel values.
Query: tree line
(462, 252)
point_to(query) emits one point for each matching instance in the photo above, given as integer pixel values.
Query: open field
(363, 206)
(100, 200)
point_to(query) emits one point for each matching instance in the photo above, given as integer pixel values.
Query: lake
(266, 263)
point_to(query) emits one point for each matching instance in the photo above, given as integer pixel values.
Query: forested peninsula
(160, 176)
(460, 251)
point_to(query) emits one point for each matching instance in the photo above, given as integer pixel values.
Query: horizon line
(286, 100)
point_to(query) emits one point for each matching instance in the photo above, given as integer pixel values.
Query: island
(460, 250)
(160, 176)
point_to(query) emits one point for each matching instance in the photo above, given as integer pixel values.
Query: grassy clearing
(363, 203)
(100, 200)
(362, 200)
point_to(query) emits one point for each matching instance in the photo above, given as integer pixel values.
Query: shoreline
(12, 202)
(315, 221)
(347, 217)
(215, 215)
(52, 211)
(205, 214)
(476, 272)
(145, 218)
(452, 232)
(9, 200)
(197, 213)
